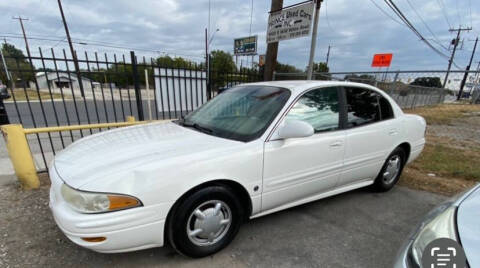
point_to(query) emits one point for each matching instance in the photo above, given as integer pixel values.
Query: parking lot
(355, 229)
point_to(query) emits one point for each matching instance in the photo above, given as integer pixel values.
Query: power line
(326, 16)
(103, 44)
(251, 18)
(455, 44)
(458, 12)
(399, 13)
(423, 21)
(386, 13)
(444, 12)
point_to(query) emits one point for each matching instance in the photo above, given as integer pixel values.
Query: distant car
(4, 92)
(253, 150)
(457, 219)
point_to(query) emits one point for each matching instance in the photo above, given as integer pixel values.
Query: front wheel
(205, 222)
(391, 171)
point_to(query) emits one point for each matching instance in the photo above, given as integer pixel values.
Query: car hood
(468, 222)
(124, 149)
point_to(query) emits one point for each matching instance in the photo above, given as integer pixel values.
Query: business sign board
(382, 60)
(290, 23)
(261, 60)
(245, 46)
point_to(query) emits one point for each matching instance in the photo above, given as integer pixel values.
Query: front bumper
(125, 230)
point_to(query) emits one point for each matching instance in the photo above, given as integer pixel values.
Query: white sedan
(255, 149)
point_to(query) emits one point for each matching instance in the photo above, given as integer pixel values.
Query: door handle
(392, 132)
(336, 144)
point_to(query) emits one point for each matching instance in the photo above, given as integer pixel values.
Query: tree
(221, 68)
(286, 68)
(17, 64)
(364, 78)
(319, 67)
(169, 62)
(221, 61)
(427, 82)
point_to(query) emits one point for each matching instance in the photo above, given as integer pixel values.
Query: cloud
(355, 29)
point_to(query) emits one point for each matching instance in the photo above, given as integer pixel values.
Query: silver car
(457, 219)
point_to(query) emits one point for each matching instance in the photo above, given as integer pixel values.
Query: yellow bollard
(130, 118)
(20, 155)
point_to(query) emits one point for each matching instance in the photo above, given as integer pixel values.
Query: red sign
(382, 60)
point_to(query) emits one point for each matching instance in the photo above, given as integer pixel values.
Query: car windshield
(240, 113)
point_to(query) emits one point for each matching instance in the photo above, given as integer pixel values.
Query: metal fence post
(209, 78)
(138, 93)
(20, 155)
(3, 113)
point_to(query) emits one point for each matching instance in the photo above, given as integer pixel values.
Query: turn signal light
(94, 239)
(121, 202)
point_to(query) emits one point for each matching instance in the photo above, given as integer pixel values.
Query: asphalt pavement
(355, 229)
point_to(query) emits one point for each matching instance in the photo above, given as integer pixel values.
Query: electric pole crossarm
(455, 44)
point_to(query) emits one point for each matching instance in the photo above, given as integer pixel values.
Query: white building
(62, 80)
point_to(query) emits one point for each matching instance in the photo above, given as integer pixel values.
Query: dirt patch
(450, 162)
(419, 180)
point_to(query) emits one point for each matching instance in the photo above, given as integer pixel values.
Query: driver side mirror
(293, 129)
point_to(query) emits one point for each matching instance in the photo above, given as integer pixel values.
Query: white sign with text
(290, 23)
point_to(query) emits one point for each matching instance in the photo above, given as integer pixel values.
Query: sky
(355, 29)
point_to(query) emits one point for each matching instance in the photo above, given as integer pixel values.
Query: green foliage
(427, 82)
(364, 78)
(16, 61)
(286, 68)
(221, 61)
(177, 62)
(221, 68)
(320, 67)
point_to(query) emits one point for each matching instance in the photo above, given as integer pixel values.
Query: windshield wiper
(197, 127)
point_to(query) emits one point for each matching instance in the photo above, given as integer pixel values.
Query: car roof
(298, 86)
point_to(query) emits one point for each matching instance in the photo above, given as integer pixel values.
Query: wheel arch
(236, 187)
(407, 148)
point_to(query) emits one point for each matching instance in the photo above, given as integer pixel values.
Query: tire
(386, 179)
(215, 233)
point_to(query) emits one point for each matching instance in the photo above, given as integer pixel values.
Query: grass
(447, 165)
(33, 95)
(445, 113)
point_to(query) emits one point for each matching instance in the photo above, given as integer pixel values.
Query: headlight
(88, 202)
(441, 226)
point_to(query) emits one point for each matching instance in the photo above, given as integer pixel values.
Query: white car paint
(159, 162)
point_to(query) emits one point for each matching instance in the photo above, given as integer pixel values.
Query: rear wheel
(391, 170)
(205, 222)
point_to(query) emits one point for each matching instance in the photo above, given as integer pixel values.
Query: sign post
(314, 41)
(382, 60)
(245, 46)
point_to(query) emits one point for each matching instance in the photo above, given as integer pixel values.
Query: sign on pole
(261, 60)
(245, 46)
(382, 60)
(290, 23)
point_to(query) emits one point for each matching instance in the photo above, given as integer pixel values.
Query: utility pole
(455, 44)
(74, 55)
(314, 40)
(20, 19)
(466, 71)
(328, 54)
(207, 63)
(272, 48)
